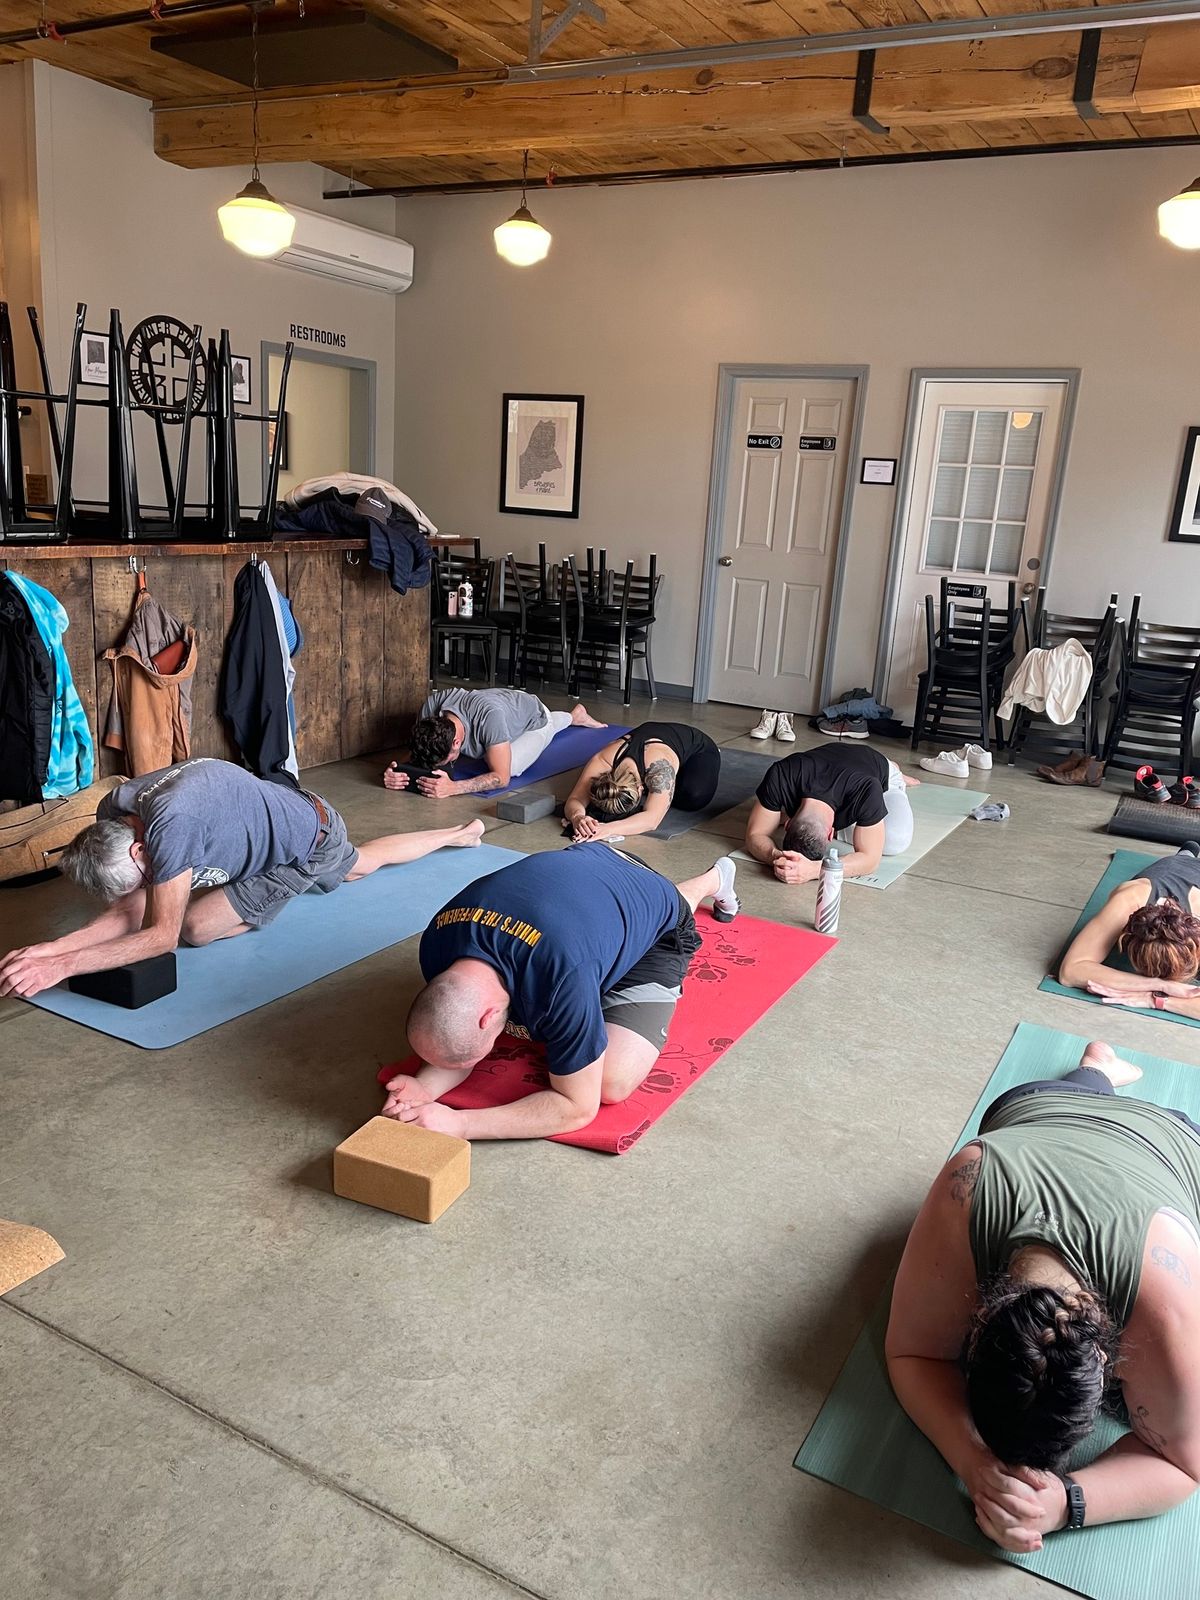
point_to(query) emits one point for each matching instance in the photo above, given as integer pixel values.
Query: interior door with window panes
(983, 474)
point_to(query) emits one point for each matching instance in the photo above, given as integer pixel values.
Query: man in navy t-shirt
(585, 951)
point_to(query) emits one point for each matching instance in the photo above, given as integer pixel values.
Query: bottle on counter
(466, 599)
(829, 893)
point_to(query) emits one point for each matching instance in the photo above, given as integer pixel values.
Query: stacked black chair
(550, 613)
(453, 637)
(619, 617)
(969, 647)
(1153, 711)
(1098, 636)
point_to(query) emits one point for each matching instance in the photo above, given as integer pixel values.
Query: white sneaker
(976, 756)
(783, 730)
(948, 762)
(766, 726)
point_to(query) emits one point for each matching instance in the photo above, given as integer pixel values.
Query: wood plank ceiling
(1005, 93)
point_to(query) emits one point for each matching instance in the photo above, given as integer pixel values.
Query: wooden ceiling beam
(1004, 80)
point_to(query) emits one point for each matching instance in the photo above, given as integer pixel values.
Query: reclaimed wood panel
(113, 590)
(406, 662)
(314, 588)
(194, 591)
(362, 657)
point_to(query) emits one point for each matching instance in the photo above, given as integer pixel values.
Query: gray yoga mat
(741, 773)
(863, 1441)
(314, 936)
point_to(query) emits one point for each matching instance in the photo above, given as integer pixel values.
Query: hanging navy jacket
(254, 696)
(397, 547)
(27, 685)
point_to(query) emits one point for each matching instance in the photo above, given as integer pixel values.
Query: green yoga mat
(862, 1440)
(1124, 864)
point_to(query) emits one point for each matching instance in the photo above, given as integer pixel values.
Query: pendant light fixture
(522, 239)
(253, 221)
(1179, 218)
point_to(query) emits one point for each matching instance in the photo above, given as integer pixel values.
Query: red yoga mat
(740, 971)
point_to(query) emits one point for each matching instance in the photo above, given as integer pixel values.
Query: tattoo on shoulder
(660, 777)
(1170, 1262)
(963, 1179)
(1139, 1421)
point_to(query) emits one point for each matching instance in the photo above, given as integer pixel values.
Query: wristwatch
(1076, 1504)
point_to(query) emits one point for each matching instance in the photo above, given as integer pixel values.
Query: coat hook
(134, 569)
(351, 558)
(254, 558)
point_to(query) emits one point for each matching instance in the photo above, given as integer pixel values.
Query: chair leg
(628, 673)
(650, 668)
(919, 713)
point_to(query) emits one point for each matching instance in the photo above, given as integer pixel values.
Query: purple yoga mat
(566, 751)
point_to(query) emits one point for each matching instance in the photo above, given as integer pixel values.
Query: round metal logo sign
(158, 354)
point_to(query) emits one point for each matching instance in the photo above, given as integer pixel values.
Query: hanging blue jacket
(72, 754)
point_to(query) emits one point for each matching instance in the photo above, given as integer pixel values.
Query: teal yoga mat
(314, 936)
(863, 1441)
(1123, 865)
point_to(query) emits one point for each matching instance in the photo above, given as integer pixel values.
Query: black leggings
(1083, 1080)
(696, 780)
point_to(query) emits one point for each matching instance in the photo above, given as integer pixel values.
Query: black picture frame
(517, 410)
(1185, 514)
(243, 393)
(879, 461)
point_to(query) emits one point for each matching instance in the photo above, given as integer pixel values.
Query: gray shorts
(644, 998)
(260, 899)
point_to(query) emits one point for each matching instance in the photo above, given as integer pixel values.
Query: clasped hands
(789, 866)
(408, 1100)
(438, 787)
(1168, 988)
(1015, 1506)
(27, 972)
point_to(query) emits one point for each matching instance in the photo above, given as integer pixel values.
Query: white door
(785, 481)
(983, 471)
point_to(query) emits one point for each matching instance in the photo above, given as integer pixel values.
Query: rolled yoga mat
(740, 971)
(863, 1441)
(1146, 819)
(316, 935)
(567, 750)
(1123, 865)
(741, 773)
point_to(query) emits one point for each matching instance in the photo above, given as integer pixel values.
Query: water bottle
(829, 893)
(466, 599)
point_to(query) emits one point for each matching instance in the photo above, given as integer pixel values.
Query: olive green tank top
(1083, 1175)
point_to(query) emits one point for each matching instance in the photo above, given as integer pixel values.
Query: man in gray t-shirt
(507, 728)
(201, 851)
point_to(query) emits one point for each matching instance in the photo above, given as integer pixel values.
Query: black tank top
(1171, 877)
(677, 736)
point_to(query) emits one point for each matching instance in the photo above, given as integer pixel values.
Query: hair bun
(1162, 941)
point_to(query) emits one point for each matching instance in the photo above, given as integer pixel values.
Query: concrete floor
(590, 1376)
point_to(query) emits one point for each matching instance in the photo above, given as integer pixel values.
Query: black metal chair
(619, 620)
(968, 650)
(1098, 636)
(550, 616)
(451, 635)
(1153, 711)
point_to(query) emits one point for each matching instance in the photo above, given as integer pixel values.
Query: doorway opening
(329, 421)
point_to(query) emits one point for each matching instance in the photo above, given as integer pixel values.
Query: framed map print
(1185, 515)
(541, 446)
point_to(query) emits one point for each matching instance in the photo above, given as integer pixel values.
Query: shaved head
(454, 1021)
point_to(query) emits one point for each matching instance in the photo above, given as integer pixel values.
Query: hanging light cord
(254, 68)
(524, 174)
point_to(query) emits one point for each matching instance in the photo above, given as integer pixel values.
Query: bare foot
(581, 718)
(1106, 1060)
(470, 833)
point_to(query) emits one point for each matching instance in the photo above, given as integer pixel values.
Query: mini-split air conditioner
(335, 249)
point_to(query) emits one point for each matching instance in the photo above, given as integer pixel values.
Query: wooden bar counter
(361, 674)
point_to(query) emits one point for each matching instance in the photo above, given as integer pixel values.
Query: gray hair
(98, 860)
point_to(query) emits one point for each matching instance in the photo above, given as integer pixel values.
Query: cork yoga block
(24, 1252)
(402, 1168)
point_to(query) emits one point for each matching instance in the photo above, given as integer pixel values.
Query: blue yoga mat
(314, 936)
(1122, 867)
(567, 750)
(863, 1441)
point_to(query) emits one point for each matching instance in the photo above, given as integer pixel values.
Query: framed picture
(241, 379)
(878, 469)
(283, 448)
(541, 447)
(1185, 518)
(93, 359)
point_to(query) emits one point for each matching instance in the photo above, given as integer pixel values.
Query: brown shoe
(1069, 771)
(1094, 776)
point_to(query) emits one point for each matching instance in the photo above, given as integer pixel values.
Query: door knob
(727, 561)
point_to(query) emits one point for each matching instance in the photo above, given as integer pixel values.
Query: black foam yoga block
(133, 986)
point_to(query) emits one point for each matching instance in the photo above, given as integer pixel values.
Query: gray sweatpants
(527, 747)
(898, 824)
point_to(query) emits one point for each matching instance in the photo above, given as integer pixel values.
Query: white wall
(1041, 261)
(119, 227)
(20, 277)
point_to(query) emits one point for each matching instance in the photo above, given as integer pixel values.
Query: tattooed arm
(656, 802)
(498, 776)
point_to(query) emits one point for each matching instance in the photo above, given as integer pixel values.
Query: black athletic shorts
(644, 998)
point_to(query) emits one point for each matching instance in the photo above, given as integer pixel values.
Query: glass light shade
(522, 239)
(255, 223)
(1179, 218)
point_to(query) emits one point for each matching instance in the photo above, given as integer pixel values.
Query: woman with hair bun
(630, 785)
(1153, 920)
(1056, 1254)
